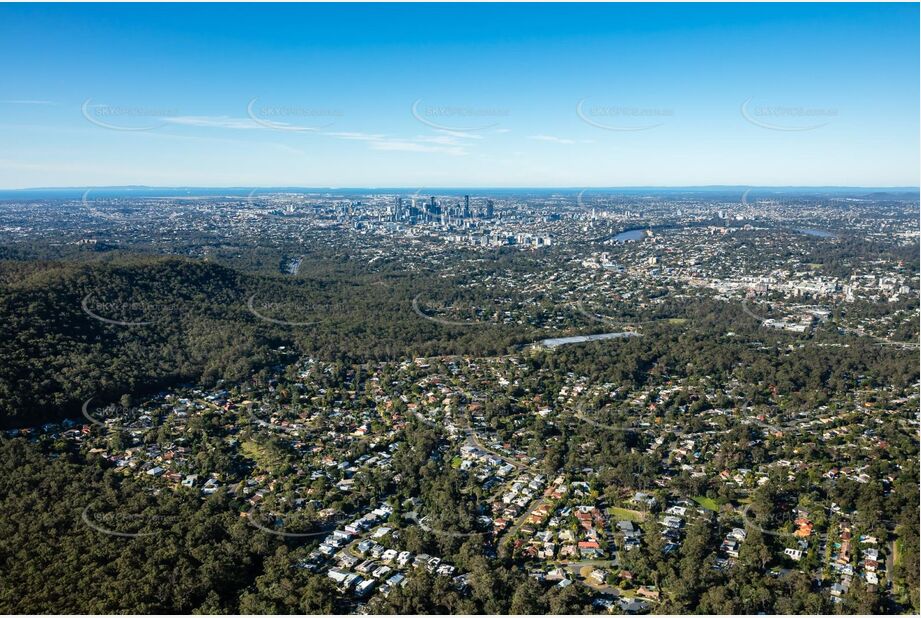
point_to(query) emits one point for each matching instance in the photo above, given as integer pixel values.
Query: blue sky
(459, 95)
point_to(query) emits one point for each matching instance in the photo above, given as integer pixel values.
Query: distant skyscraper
(466, 207)
(490, 209)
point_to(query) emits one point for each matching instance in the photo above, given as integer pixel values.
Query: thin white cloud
(355, 135)
(219, 122)
(444, 140)
(459, 134)
(552, 138)
(444, 144)
(27, 102)
(409, 146)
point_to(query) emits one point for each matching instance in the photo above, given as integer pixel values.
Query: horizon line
(456, 187)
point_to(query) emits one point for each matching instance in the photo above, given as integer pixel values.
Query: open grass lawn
(267, 457)
(620, 514)
(707, 503)
(897, 590)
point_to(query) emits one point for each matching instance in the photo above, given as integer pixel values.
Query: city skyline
(486, 96)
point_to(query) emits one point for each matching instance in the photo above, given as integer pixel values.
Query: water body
(816, 233)
(630, 235)
(639, 232)
(554, 343)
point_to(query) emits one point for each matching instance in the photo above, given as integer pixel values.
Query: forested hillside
(74, 330)
(190, 556)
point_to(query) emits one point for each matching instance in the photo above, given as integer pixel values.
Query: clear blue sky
(505, 95)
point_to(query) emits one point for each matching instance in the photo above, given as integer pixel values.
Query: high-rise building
(490, 209)
(466, 207)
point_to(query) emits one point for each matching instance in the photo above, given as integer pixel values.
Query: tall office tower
(490, 209)
(398, 212)
(433, 206)
(466, 207)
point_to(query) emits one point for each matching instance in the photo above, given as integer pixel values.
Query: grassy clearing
(621, 514)
(898, 591)
(267, 457)
(708, 503)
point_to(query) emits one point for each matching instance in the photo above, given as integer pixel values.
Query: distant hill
(171, 320)
(130, 325)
